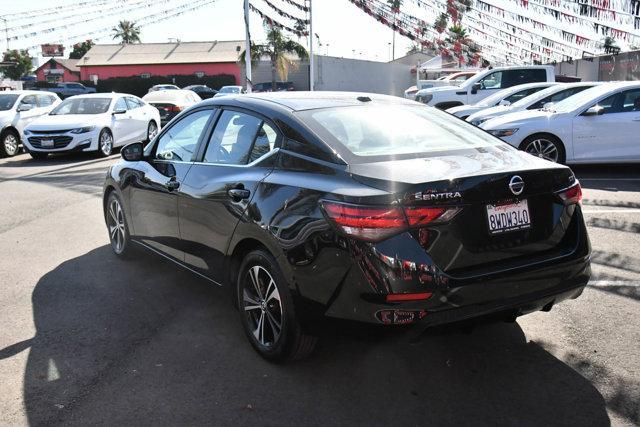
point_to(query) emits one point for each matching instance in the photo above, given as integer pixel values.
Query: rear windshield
(7, 101)
(82, 106)
(380, 132)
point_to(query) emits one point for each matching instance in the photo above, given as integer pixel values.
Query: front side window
(380, 132)
(179, 142)
(492, 81)
(522, 94)
(232, 139)
(609, 104)
(630, 101)
(29, 100)
(121, 105)
(556, 97)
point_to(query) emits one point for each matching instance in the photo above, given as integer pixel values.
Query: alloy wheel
(262, 306)
(543, 148)
(115, 222)
(106, 143)
(152, 131)
(10, 144)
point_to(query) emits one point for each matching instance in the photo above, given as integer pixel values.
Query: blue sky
(340, 25)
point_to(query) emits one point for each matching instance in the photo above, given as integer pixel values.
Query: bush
(138, 86)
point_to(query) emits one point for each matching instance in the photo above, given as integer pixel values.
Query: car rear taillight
(408, 297)
(174, 109)
(374, 223)
(572, 195)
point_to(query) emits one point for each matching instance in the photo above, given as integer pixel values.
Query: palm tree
(395, 8)
(279, 49)
(127, 32)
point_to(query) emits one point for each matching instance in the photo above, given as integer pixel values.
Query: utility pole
(311, 60)
(247, 49)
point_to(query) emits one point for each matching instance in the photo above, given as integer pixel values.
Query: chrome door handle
(239, 193)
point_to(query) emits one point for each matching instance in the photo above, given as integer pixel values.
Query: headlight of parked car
(500, 133)
(425, 99)
(83, 130)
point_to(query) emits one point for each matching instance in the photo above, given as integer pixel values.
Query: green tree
(79, 49)
(127, 32)
(23, 64)
(279, 49)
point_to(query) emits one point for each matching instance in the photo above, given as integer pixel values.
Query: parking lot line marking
(629, 283)
(621, 210)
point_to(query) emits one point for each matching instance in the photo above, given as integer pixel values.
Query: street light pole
(311, 59)
(247, 49)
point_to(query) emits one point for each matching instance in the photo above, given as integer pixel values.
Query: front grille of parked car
(59, 141)
(49, 132)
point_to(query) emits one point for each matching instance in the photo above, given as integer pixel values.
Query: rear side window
(369, 133)
(232, 139)
(517, 77)
(265, 142)
(180, 141)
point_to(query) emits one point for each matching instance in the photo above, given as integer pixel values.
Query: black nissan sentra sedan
(353, 206)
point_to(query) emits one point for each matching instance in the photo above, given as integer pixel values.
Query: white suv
(485, 84)
(17, 109)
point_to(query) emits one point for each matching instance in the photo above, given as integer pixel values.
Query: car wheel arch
(550, 135)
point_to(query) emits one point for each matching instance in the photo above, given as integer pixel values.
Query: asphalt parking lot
(88, 339)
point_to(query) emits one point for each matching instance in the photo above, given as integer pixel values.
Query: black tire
(9, 143)
(105, 149)
(541, 143)
(289, 343)
(36, 155)
(152, 130)
(117, 227)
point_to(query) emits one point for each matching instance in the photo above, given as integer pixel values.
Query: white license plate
(508, 217)
(46, 143)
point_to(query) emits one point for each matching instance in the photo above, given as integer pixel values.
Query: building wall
(344, 74)
(108, 71)
(586, 70)
(66, 76)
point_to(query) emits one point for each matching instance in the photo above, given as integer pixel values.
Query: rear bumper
(541, 283)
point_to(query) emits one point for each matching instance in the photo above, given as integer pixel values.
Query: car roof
(102, 95)
(26, 92)
(168, 95)
(298, 101)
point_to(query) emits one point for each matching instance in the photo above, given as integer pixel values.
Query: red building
(59, 70)
(162, 59)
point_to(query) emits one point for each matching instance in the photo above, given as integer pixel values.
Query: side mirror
(133, 152)
(25, 107)
(596, 110)
(504, 103)
(119, 111)
(475, 88)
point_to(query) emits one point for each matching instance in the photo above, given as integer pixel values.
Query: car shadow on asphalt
(123, 342)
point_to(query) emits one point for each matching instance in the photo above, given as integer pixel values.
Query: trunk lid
(478, 183)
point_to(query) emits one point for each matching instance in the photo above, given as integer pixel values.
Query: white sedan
(506, 96)
(536, 101)
(95, 122)
(18, 108)
(598, 125)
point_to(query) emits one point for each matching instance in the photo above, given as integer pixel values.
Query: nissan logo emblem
(516, 185)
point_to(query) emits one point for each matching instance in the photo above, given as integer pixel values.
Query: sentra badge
(438, 196)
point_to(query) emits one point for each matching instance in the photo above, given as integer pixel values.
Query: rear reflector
(572, 195)
(408, 297)
(374, 223)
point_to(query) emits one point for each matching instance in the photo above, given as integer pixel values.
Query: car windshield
(524, 102)
(82, 106)
(228, 89)
(575, 101)
(7, 101)
(393, 131)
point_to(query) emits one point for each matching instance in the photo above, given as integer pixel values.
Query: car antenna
(363, 99)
